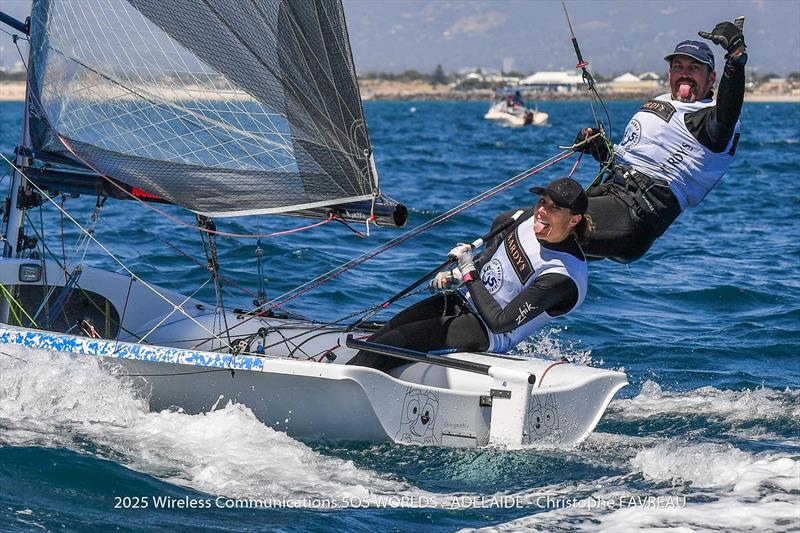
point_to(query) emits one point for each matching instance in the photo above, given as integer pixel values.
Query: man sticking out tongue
(673, 152)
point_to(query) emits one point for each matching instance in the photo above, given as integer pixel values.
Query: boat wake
(699, 487)
(749, 414)
(73, 403)
(690, 481)
(643, 478)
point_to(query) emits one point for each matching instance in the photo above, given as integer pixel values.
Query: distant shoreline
(419, 91)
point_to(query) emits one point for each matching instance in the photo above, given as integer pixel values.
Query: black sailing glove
(726, 34)
(596, 147)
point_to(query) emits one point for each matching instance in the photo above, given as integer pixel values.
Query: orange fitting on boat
(546, 370)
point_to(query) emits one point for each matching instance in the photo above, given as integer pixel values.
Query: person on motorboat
(516, 101)
(675, 149)
(527, 275)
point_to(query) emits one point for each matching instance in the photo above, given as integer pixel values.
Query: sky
(616, 36)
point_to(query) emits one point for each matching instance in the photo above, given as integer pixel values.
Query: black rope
(124, 310)
(210, 249)
(165, 374)
(348, 226)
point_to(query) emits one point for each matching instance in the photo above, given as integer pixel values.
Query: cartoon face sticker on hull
(543, 423)
(418, 419)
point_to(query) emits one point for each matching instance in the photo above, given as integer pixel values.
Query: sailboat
(230, 109)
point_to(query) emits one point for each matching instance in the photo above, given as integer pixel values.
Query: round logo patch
(632, 135)
(492, 276)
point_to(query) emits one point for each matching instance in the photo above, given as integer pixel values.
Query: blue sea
(707, 326)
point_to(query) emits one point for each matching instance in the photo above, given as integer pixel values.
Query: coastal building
(630, 83)
(480, 78)
(652, 76)
(552, 81)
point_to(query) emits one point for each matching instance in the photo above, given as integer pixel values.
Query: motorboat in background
(512, 111)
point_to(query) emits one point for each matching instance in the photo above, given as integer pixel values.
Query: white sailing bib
(657, 143)
(515, 265)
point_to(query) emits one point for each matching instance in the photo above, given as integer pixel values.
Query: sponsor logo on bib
(632, 135)
(492, 276)
(518, 258)
(663, 110)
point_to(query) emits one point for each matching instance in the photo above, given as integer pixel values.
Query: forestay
(225, 107)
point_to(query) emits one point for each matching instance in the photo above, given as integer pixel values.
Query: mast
(18, 184)
(18, 181)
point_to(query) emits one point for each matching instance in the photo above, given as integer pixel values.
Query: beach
(14, 91)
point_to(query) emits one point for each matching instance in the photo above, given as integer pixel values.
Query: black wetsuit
(630, 209)
(444, 321)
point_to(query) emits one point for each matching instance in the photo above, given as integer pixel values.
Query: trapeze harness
(514, 266)
(658, 142)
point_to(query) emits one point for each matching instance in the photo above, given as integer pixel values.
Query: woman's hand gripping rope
(462, 254)
(446, 280)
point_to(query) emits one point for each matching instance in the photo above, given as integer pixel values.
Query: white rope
(175, 308)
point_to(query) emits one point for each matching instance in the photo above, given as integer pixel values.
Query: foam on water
(727, 405)
(725, 514)
(718, 465)
(74, 403)
(691, 487)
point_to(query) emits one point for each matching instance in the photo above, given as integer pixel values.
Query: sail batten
(224, 107)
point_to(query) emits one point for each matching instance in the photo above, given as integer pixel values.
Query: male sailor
(673, 152)
(527, 275)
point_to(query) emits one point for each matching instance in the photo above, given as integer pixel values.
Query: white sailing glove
(445, 280)
(463, 254)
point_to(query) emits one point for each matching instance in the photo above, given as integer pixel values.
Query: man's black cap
(566, 192)
(694, 49)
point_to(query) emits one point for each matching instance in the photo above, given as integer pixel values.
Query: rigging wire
(110, 253)
(589, 80)
(42, 263)
(261, 296)
(586, 75)
(10, 298)
(179, 307)
(344, 267)
(124, 310)
(210, 249)
(61, 263)
(62, 266)
(229, 281)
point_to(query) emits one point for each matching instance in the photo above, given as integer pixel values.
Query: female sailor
(528, 274)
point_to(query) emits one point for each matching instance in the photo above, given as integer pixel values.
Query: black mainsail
(225, 107)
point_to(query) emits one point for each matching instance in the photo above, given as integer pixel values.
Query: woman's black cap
(566, 192)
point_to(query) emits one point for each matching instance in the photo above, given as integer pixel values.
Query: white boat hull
(303, 386)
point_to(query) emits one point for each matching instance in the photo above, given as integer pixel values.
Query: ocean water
(707, 327)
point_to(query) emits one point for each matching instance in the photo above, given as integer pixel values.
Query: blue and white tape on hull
(61, 342)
